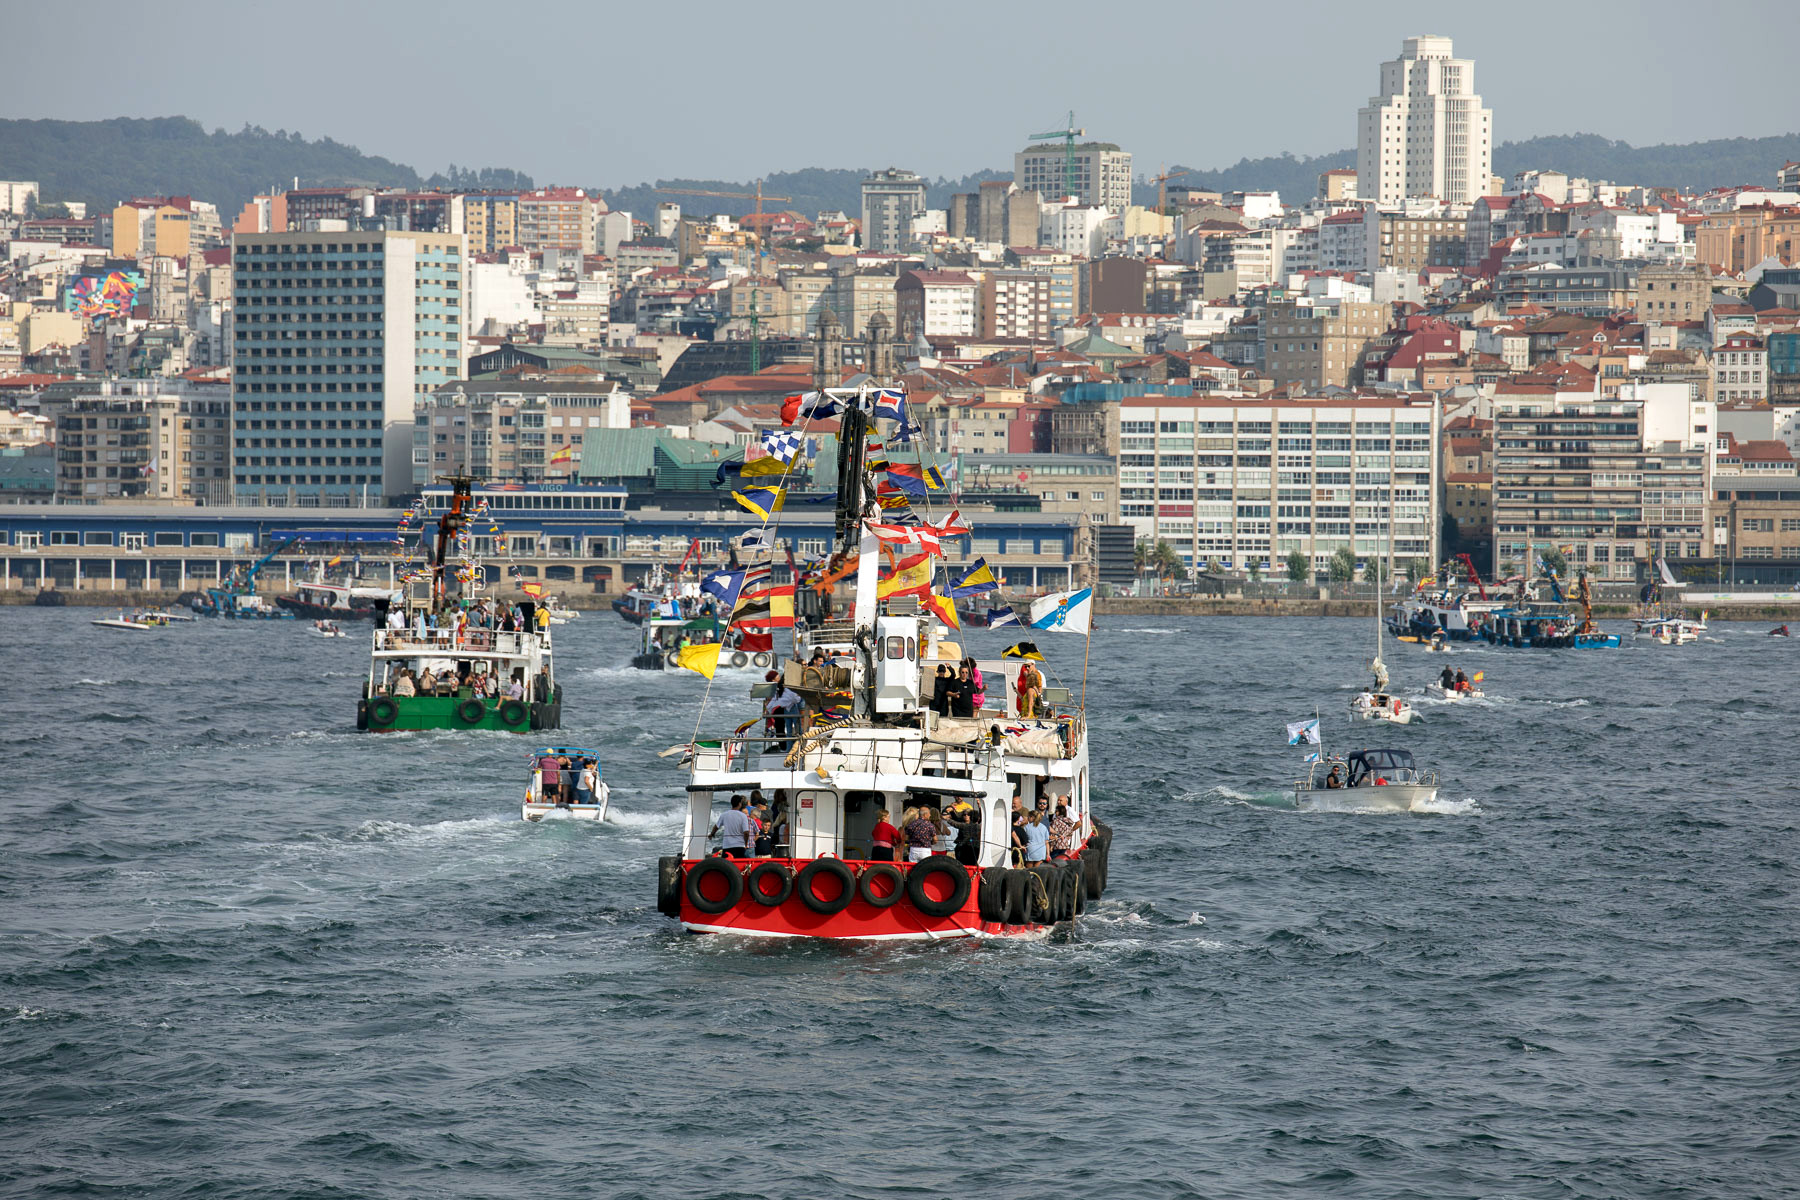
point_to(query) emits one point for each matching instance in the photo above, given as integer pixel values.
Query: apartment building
(1411, 243)
(1017, 304)
(938, 304)
(564, 218)
(1425, 133)
(1233, 480)
(491, 223)
(891, 200)
(1674, 293)
(1610, 482)
(1741, 369)
(512, 429)
(141, 440)
(1102, 174)
(1320, 346)
(337, 337)
(1590, 291)
(1733, 242)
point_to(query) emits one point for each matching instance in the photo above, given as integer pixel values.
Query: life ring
(809, 896)
(938, 906)
(383, 712)
(668, 886)
(697, 877)
(1396, 706)
(739, 658)
(755, 884)
(470, 712)
(764, 660)
(873, 873)
(513, 712)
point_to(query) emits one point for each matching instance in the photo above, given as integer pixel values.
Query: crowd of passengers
(468, 681)
(484, 616)
(757, 828)
(564, 780)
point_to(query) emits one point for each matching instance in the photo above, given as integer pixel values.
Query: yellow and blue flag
(765, 502)
(977, 579)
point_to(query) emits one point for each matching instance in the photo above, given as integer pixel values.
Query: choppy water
(248, 952)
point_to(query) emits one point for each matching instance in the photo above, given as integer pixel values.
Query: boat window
(912, 648)
(896, 647)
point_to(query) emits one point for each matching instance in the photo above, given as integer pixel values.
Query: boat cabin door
(817, 823)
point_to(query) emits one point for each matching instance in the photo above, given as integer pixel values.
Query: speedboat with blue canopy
(1384, 779)
(566, 784)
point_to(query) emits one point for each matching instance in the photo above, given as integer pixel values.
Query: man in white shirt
(784, 708)
(733, 830)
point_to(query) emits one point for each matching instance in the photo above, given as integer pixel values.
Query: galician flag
(1303, 731)
(1063, 612)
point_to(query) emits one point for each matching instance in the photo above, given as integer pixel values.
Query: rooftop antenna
(1068, 136)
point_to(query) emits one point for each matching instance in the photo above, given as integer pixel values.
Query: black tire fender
(1040, 896)
(513, 712)
(668, 886)
(991, 896)
(803, 884)
(865, 885)
(470, 712)
(920, 875)
(739, 658)
(1013, 904)
(754, 883)
(697, 875)
(383, 712)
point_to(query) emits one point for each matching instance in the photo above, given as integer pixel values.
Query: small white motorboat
(1370, 705)
(1388, 780)
(1438, 691)
(581, 805)
(138, 619)
(1673, 631)
(328, 629)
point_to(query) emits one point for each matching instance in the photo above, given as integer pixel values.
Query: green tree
(1343, 565)
(1255, 571)
(1554, 562)
(1297, 566)
(1415, 570)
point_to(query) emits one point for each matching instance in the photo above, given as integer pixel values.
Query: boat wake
(1227, 795)
(1466, 807)
(396, 831)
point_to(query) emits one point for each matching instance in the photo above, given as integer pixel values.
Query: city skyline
(1197, 116)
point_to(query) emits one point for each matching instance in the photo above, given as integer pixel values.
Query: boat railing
(451, 641)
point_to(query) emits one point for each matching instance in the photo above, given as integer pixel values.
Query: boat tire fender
(764, 660)
(1040, 903)
(734, 885)
(991, 896)
(1013, 896)
(1081, 896)
(1071, 891)
(865, 885)
(739, 658)
(920, 875)
(513, 712)
(803, 883)
(668, 886)
(1090, 871)
(470, 712)
(754, 883)
(672, 660)
(383, 712)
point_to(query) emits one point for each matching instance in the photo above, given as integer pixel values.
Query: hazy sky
(613, 95)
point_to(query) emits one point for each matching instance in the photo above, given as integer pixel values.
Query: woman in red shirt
(883, 838)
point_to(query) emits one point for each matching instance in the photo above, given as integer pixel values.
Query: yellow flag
(704, 659)
(945, 608)
(336, 559)
(910, 578)
(764, 466)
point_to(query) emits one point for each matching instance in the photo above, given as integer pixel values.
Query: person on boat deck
(515, 690)
(1462, 682)
(921, 835)
(396, 619)
(567, 773)
(977, 686)
(1334, 780)
(427, 682)
(507, 623)
(1018, 832)
(946, 839)
(733, 830)
(966, 819)
(550, 778)
(1062, 833)
(765, 830)
(585, 782)
(783, 709)
(962, 698)
(882, 838)
(1037, 838)
(403, 683)
(941, 689)
(1447, 680)
(1030, 687)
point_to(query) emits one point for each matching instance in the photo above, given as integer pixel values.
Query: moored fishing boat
(321, 601)
(445, 659)
(872, 745)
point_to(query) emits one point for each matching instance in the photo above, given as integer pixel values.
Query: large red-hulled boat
(872, 742)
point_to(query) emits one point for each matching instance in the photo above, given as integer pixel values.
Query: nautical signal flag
(808, 405)
(765, 502)
(978, 578)
(771, 608)
(944, 607)
(701, 659)
(890, 403)
(911, 577)
(781, 444)
(998, 618)
(1063, 612)
(725, 585)
(951, 526)
(756, 539)
(1022, 650)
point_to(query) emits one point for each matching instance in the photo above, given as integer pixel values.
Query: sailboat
(1376, 703)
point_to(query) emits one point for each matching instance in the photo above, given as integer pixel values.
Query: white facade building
(891, 200)
(1425, 133)
(1102, 173)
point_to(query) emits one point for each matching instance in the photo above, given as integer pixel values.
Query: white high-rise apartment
(1426, 134)
(890, 201)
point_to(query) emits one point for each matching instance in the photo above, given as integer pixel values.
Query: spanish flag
(563, 454)
(534, 590)
(911, 578)
(770, 608)
(335, 560)
(945, 609)
(701, 659)
(765, 502)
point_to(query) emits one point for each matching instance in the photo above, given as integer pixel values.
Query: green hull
(401, 713)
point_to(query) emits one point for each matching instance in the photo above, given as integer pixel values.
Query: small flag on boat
(1479, 676)
(890, 404)
(978, 578)
(534, 590)
(1022, 650)
(765, 502)
(781, 444)
(701, 659)
(944, 607)
(335, 560)
(563, 454)
(725, 585)
(911, 577)
(809, 405)
(1303, 731)
(998, 617)
(756, 539)
(1063, 612)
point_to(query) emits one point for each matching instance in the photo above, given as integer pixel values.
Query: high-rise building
(890, 201)
(1426, 133)
(560, 217)
(1102, 173)
(337, 336)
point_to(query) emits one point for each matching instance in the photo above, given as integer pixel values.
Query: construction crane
(1161, 182)
(1067, 136)
(757, 233)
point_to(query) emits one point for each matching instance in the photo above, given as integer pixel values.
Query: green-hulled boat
(449, 660)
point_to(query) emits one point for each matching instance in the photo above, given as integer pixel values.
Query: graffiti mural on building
(96, 297)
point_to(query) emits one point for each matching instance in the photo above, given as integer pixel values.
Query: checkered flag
(780, 443)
